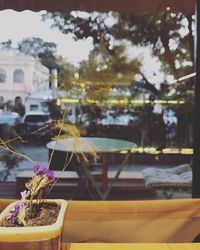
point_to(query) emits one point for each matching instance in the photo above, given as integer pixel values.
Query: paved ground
(37, 153)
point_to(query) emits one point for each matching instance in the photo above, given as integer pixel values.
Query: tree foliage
(164, 32)
(36, 47)
(169, 35)
(109, 66)
(7, 44)
(66, 75)
(106, 69)
(82, 25)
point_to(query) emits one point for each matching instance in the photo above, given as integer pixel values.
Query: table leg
(86, 177)
(104, 174)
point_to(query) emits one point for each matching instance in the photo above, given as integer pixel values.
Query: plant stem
(31, 205)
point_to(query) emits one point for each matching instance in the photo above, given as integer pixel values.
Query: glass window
(34, 107)
(18, 76)
(2, 76)
(1, 99)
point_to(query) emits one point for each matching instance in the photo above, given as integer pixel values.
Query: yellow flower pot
(33, 238)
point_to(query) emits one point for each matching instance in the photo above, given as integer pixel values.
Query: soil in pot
(44, 214)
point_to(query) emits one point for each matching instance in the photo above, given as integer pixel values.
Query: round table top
(91, 144)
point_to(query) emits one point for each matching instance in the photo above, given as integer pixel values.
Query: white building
(38, 100)
(20, 75)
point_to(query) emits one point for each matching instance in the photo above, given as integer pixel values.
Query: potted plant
(22, 225)
(33, 222)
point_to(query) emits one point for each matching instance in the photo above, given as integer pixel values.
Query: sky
(19, 25)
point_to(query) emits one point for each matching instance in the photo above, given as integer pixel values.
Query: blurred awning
(134, 6)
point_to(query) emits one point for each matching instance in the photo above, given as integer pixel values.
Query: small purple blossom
(40, 170)
(18, 206)
(50, 175)
(15, 211)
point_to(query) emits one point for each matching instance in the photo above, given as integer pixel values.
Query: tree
(106, 69)
(82, 25)
(9, 160)
(169, 35)
(7, 44)
(36, 47)
(66, 75)
(96, 76)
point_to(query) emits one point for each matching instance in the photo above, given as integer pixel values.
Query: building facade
(20, 75)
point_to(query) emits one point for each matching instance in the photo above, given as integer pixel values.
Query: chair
(168, 181)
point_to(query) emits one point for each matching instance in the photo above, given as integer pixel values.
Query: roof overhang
(133, 6)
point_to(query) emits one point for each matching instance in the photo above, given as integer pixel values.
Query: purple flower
(15, 211)
(50, 175)
(18, 206)
(40, 170)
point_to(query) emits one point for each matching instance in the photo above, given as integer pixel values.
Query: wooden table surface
(131, 246)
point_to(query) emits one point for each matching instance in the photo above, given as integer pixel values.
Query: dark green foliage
(9, 159)
(36, 47)
(169, 35)
(82, 26)
(7, 44)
